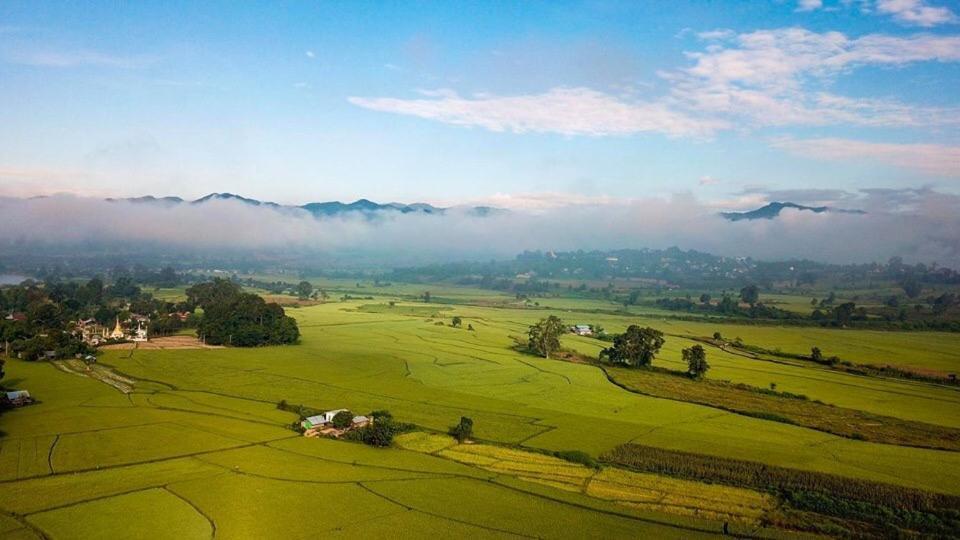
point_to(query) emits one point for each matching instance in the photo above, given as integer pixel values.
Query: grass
(151, 513)
(201, 426)
(851, 423)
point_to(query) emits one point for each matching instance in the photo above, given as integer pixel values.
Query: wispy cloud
(935, 159)
(809, 5)
(766, 77)
(916, 12)
(907, 12)
(708, 181)
(567, 111)
(75, 58)
(756, 79)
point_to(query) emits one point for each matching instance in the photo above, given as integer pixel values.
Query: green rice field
(199, 449)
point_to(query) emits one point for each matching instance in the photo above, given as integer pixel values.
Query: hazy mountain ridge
(773, 209)
(327, 208)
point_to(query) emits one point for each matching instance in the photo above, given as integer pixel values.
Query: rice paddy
(198, 439)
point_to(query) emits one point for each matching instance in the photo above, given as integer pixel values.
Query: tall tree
(636, 347)
(696, 359)
(750, 294)
(544, 337)
(304, 290)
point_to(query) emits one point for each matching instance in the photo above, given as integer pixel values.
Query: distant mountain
(231, 196)
(330, 208)
(773, 209)
(151, 199)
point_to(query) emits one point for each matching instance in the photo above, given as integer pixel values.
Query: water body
(11, 279)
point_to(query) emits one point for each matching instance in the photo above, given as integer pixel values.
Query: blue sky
(520, 103)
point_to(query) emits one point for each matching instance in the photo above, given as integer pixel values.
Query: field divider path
(145, 461)
(213, 524)
(440, 516)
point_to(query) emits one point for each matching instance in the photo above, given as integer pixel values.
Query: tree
(470, 327)
(717, 336)
(304, 289)
(456, 322)
(696, 359)
(750, 295)
(426, 297)
(167, 277)
(544, 337)
(635, 347)
(463, 430)
(233, 317)
(816, 355)
(912, 287)
(704, 298)
(342, 420)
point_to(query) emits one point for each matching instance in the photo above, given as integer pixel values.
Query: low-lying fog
(919, 225)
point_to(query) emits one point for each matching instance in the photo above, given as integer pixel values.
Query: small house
(313, 422)
(360, 421)
(17, 398)
(582, 330)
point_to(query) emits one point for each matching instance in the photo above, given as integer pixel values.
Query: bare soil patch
(163, 343)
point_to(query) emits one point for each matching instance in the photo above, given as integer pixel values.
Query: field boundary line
(144, 462)
(21, 519)
(448, 518)
(53, 446)
(197, 509)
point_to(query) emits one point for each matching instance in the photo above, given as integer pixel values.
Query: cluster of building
(322, 424)
(582, 330)
(95, 334)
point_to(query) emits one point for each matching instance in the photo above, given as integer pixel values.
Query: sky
(510, 103)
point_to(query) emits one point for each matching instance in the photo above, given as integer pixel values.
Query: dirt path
(96, 372)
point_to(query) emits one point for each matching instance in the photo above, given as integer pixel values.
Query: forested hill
(669, 266)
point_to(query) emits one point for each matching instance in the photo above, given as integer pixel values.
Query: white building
(582, 330)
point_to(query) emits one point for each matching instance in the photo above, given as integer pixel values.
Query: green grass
(841, 421)
(152, 513)
(203, 425)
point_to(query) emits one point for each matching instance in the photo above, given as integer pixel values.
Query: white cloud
(568, 111)
(78, 58)
(719, 33)
(763, 78)
(809, 5)
(915, 12)
(310, 54)
(766, 76)
(934, 159)
(708, 181)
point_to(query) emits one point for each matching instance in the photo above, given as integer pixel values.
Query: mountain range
(370, 208)
(330, 208)
(773, 209)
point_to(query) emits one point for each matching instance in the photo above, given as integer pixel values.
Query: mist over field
(920, 225)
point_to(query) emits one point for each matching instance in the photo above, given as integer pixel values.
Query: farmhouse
(17, 398)
(322, 424)
(582, 330)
